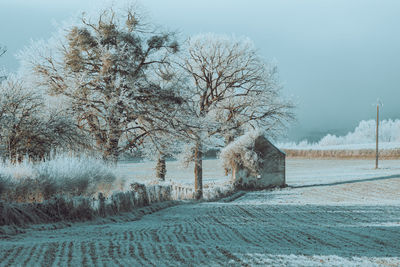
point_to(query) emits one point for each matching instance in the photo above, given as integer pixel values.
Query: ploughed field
(332, 213)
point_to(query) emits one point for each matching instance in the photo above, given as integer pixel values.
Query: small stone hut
(271, 171)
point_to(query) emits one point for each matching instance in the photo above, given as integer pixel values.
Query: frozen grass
(344, 153)
(63, 175)
(82, 188)
(354, 147)
(84, 176)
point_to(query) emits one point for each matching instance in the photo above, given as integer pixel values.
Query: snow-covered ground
(334, 212)
(145, 171)
(298, 171)
(324, 171)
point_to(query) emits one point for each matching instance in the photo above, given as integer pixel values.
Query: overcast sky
(335, 57)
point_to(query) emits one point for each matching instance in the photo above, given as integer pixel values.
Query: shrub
(75, 176)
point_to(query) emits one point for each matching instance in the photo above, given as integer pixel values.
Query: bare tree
(29, 127)
(106, 67)
(233, 89)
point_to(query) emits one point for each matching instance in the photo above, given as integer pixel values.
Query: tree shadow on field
(350, 181)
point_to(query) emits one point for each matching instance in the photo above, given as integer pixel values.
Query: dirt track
(258, 228)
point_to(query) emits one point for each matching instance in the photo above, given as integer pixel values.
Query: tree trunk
(198, 171)
(228, 140)
(111, 152)
(161, 169)
(12, 150)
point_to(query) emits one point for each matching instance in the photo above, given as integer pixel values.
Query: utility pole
(377, 136)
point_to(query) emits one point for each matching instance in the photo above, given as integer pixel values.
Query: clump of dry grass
(343, 154)
(63, 175)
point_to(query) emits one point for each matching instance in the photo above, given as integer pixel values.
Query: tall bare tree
(233, 89)
(106, 67)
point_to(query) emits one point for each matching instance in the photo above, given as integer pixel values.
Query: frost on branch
(30, 125)
(232, 90)
(105, 65)
(241, 153)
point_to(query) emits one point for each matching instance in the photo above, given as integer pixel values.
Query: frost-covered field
(333, 213)
(298, 171)
(144, 171)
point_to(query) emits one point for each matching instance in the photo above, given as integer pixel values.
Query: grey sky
(335, 57)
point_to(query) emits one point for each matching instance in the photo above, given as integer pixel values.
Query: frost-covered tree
(157, 147)
(31, 126)
(165, 141)
(106, 67)
(233, 89)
